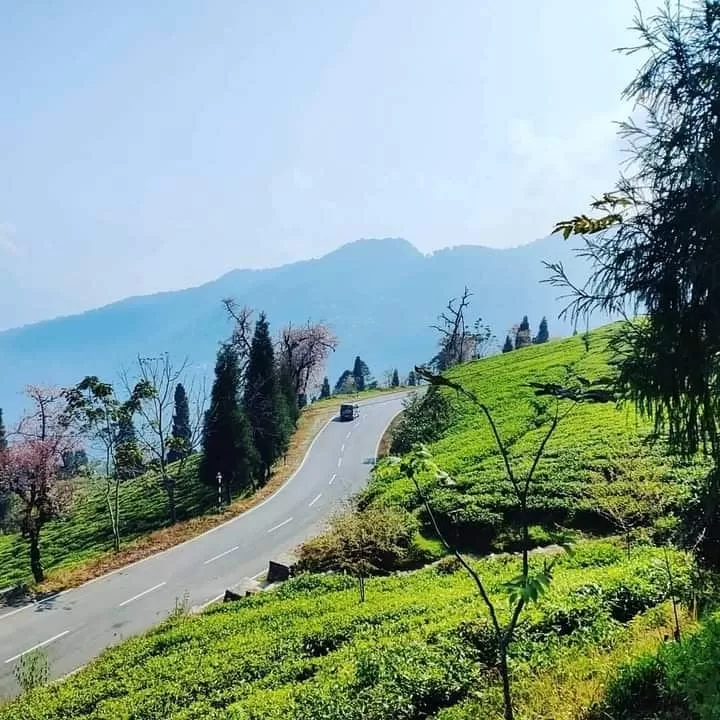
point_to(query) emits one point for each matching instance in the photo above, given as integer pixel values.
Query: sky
(153, 145)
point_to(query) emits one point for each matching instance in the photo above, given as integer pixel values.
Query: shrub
(424, 420)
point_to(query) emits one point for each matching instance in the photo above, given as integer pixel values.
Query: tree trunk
(507, 697)
(361, 581)
(169, 484)
(35, 564)
(113, 506)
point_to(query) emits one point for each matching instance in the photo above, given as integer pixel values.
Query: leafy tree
(523, 337)
(345, 383)
(263, 400)
(395, 380)
(411, 379)
(424, 420)
(181, 441)
(360, 373)
(508, 346)
(655, 247)
(74, 462)
(30, 468)
(227, 445)
(290, 396)
(543, 334)
(325, 389)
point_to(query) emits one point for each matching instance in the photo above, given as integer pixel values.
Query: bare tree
(304, 350)
(153, 388)
(30, 467)
(460, 342)
(242, 333)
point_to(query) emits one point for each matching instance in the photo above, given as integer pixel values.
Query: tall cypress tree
(395, 382)
(227, 439)
(263, 400)
(543, 334)
(325, 389)
(128, 458)
(508, 346)
(181, 442)
(360, 373)
(412, 379)
(3, 435)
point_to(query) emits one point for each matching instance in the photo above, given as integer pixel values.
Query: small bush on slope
(312, 650)
(596, 458)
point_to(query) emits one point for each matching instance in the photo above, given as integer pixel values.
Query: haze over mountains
(380, 296)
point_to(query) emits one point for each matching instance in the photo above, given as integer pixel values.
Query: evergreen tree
(128, 458)
(508, 346)
(263, 400)
(543, 334)
(412, 379)
(360, 374)
(3, 435)
(395, 382)
(181, 442)
(325, 390)
(345, 383)
(227, 439)
(291, 398)
(523, 337)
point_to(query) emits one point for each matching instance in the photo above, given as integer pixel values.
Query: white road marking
(332, 479)
(342, 449)
(315, 499)
(222, 554)
(39, 645)
(142, 594)
(339, 461)
(348, 435)
(284, 522)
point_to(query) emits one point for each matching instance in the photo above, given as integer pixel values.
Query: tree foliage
(325, 389)
(181, 442)
(523, 338)
(508, 346)
(345, 383)
(655, 246)
(360, 373)
(543, 334)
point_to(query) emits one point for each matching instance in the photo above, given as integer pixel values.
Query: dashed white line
(332, 479)
(284, 522)
(347, 437)
(39, 645)
(315, 499)
(342, 449)
(142, 594)
(339, 461)
(222, 554)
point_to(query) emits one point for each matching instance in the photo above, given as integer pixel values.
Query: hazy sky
(154, 145)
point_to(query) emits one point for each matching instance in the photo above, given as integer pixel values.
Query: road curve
(76, 625)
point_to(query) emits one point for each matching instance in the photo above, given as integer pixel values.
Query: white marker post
(219, 479)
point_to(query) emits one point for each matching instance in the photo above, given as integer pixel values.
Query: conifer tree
(263, 400)
(523, 337)
(3, 435)
(360, 374)
(128, 458)
(543, 334)
(395, 382)
(181, 440)
(412, 379)
(508, 346)
(227, 439)
(325, 389)
(291, 398)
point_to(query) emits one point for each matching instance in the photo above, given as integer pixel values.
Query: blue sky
(153, 145)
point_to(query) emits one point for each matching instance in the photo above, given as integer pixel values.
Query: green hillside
(418, 647)
(597, 464)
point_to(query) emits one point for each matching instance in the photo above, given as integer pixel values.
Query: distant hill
(379, 295)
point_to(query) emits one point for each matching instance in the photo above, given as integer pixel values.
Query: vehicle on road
(349, 411)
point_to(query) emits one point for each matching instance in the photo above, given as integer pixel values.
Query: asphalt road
(76, 625)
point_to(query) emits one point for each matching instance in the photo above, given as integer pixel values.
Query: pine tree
(360, 374)
(325, 390)
(227, 439)
(263, 400)
(523, 337)
(3, 435)
(345, 383)
(508, 346)
(395, 382)
(543, 334)
(412, 379)
(181, 442)
(128, 458)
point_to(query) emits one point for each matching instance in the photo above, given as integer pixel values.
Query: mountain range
(379, 295)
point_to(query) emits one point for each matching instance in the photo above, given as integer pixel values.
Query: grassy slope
(598, 448)
(414, 648)
(78, 547)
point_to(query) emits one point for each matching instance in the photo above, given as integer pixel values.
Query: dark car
(349, 412)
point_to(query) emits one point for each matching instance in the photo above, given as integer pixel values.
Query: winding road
(76, 625)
